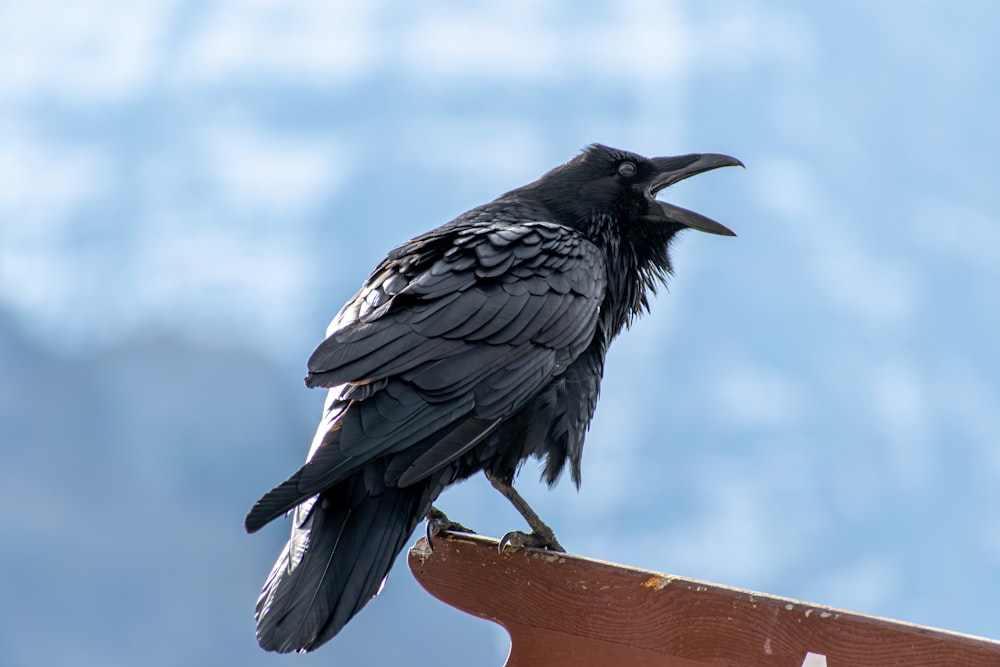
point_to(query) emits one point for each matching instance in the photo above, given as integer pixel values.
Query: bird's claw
(438, 523)
(517, 539)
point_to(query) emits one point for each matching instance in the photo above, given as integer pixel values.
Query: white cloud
(747, 395)
(791, 191)
(30, 281)
(636, 40)
(744, 35)
(260, 171)
(965, 393)
(91, 51)
(42, 182)
(306, 40)
(488, 151)
(902, 412)
(955, 229)
(878, 290)
(216, 280)
(881, 291)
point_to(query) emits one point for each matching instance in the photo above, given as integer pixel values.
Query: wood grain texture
(567, 610)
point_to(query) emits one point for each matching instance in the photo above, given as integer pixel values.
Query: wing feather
(452, 334)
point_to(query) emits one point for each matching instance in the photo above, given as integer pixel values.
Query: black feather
(471, 347)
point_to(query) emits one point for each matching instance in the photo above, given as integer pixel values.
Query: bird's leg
(541, 536)
(438, 522)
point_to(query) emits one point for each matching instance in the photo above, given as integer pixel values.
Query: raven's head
(610, 196)
(605, 185)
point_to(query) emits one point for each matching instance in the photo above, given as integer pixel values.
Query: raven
(469, 348)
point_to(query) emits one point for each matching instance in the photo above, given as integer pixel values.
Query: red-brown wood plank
(567, 610)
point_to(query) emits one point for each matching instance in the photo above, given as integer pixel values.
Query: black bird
(470, 347)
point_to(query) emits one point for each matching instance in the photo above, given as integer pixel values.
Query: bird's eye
(627, 169)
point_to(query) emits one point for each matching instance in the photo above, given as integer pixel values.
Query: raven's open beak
(670, 170)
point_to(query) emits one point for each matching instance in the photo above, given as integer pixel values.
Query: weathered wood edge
(619, 612)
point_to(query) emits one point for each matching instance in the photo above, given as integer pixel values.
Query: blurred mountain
(127, 475)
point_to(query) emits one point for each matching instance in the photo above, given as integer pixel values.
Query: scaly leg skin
(540, 537)
(438, 522)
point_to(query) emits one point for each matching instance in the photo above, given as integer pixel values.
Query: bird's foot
(438, 523)
(543, 539)
(540, 537)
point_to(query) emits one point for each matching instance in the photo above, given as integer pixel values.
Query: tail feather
(342, 546)
(273, 504)
(305, 483)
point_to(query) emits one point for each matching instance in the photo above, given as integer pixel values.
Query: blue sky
(811, 410)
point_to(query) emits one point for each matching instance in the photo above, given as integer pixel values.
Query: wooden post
(567, 610)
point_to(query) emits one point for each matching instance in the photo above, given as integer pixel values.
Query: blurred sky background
(190, 190)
